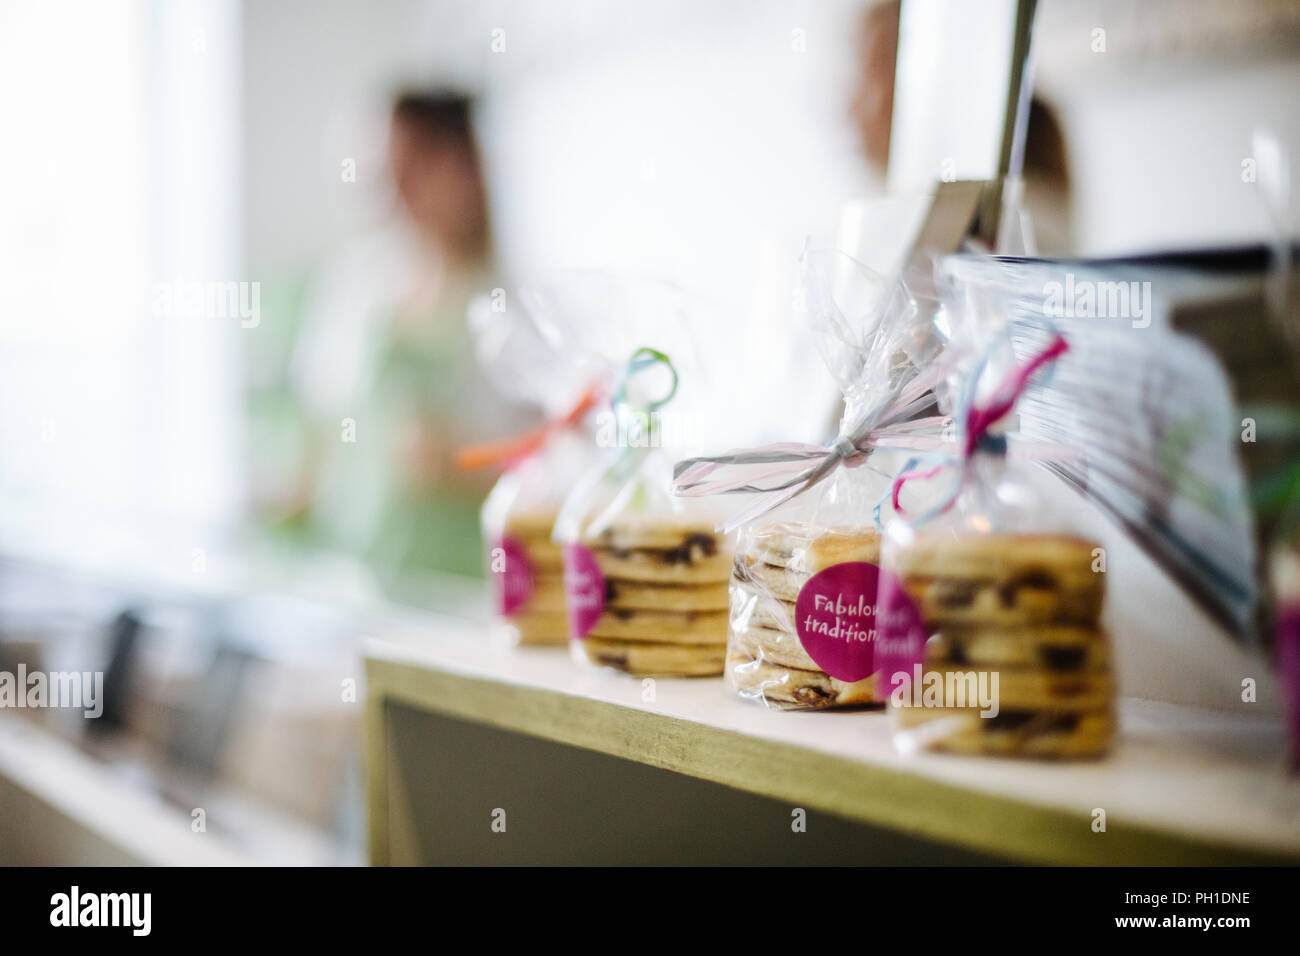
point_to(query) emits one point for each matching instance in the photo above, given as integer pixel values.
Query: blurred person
(871, 102)
(383, 369)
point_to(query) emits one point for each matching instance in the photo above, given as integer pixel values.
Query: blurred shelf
(1184, 786)
(61, 807)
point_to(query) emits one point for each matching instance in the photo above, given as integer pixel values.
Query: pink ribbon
(978, 420)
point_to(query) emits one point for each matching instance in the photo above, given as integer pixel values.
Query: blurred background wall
(152, 146)
(700, 142)
(121, 169)
(695, 141)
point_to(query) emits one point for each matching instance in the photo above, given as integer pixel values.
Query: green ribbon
(642, 359)
(631, 456)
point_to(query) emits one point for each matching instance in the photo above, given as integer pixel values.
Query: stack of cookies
(1026, 607)
(540, 617)
(765, 659)
(665, 601)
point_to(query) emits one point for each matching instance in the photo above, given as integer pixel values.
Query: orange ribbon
(510, 450)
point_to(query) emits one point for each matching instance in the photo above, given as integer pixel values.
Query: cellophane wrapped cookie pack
(537, 361)
(525, 566)
(647, 579)
(800, 630)
(991, 639)
(647, 573)
(801, 627)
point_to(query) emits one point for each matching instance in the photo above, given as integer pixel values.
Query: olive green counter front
(483, 754)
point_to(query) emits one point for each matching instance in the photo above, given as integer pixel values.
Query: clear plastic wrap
(1152, 407)
(534, 361)
(989, 607)
(802, 599)
(802, 595)
(525, 567)
(646, 572)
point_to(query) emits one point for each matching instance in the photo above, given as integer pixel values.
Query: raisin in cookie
(650, 659)
(791, 688)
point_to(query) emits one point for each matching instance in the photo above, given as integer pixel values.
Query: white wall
(1158, 102)
(1158, 160)
(685, 140)
(119, 172)
(316, 79)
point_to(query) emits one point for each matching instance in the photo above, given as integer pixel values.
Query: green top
(377, 481)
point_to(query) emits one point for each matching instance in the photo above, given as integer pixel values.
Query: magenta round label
(901, 634)
(835, 616)
(512, 574)
(584, 589)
